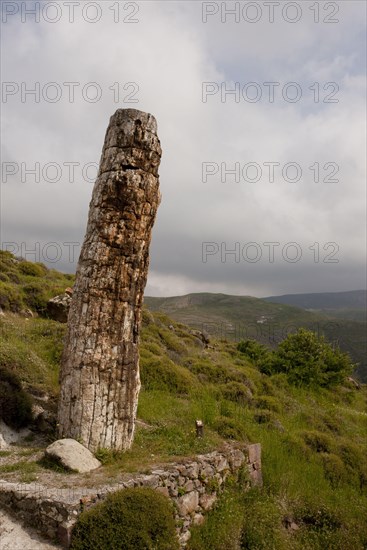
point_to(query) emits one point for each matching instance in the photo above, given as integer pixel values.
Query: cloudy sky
(261, 115)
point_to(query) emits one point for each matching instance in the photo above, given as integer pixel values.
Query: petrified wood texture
(100, 366)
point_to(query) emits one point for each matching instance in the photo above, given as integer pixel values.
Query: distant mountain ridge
(353, 299)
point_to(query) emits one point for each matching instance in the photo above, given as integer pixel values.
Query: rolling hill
(236, 318)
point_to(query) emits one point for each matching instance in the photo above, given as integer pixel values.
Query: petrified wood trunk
(100, 365)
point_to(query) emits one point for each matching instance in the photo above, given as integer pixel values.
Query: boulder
(188, 503)
(58, 307)
(72, 455)
(9, 436)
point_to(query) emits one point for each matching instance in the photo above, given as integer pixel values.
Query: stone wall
(193, 485)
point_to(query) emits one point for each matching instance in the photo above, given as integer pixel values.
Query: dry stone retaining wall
(193, 485)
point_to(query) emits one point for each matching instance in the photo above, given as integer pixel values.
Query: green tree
(309, 360)
(253, 350)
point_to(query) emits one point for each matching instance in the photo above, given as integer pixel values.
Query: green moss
(132, 519)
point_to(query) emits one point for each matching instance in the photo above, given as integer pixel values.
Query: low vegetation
(27, 285)
(133, 519)
(312, 428)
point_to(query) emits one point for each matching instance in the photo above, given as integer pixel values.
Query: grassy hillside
(27, 285)
(313, 440)
(238, 317)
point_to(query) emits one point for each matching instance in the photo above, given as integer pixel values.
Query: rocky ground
(15, 537)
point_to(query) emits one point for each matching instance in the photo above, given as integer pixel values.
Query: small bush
(228, 428)
(309, 360)
(36, 296)
(10, 297)
(33, 269)
(355, 461)
(317, 515)
(263, 416)
(253, 350)
(262, 524)
(317, 441)
(13, 277)
(132, 519)
(15, 403)
(236, 392)
(269, 403)
(161, 373)
(334, 469)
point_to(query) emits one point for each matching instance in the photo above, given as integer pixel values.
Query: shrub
(262, 524)
(132, 519)
(10, 297)
(268, 402)
(15, 403)
(161, 373)
(308, 360)
(334, 469)
(13, 277)
(317, 441)
(355, 461)
(317, 515)
(228, 428)
(236, 392)
(33, 269)
(253, 350)
(36, 296)
(263, 416)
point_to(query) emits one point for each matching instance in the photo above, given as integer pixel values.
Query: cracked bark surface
(100, 365)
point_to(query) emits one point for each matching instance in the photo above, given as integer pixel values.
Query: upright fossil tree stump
(100, 365)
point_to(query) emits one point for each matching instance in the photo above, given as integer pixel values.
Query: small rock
(188, 503)
(163, 490)
(27, 313)
(207, 501)
(198, 519)
(58, 307)
(9, 436)
(277, 426)
(72, 455)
